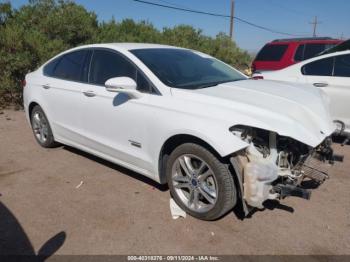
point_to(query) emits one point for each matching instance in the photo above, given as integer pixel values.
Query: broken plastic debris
(212, 233)
(80, 184)
(175, 210)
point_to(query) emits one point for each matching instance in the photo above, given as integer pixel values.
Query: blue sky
(291, 16)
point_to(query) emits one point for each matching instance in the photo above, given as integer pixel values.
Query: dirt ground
(116, 211)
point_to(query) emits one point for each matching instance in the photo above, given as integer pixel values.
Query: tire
(190, 159)
(41, 128)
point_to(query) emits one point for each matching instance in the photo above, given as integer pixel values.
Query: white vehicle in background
(329, 72)
(183, 118)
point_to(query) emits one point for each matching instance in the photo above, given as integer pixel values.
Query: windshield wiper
(216, 83)
(212, 84)
(207, 85)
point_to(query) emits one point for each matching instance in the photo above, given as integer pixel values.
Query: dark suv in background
(281, 53)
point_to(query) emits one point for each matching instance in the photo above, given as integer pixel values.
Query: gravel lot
(116, 211)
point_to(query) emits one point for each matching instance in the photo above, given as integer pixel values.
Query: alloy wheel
(194, 183)
(40, 127)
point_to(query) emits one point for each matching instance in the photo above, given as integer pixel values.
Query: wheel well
(174, 142)
(30, 108)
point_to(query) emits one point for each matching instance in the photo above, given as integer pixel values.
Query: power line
(173, 4)
(217, 15)
(182, 9)
(285, 8)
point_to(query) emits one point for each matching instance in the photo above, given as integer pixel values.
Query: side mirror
(124, 85)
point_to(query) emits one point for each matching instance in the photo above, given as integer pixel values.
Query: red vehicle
(281, 53)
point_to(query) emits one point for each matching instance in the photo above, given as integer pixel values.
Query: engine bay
(275, 167)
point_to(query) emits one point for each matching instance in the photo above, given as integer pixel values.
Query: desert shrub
(41, 29)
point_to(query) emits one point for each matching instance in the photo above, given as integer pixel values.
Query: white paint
(105, 123)
(336, 88)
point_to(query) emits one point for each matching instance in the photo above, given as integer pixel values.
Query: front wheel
(200, 183)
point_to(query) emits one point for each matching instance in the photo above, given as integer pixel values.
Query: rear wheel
(199, 182)
(41, 128)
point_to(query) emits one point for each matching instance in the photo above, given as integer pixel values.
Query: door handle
(46, 86)
(320, 84)
(89, 93)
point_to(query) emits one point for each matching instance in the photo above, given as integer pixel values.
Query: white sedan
(183, 118)
(330, 72)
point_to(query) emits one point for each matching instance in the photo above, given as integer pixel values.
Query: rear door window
(71, 66)
(323, 67)
(299, 54)
(272, 52)
(50, 67)
(342, 66)
(306, 51)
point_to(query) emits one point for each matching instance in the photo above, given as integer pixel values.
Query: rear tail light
(23, 83)
(253, 68)
(258, 77)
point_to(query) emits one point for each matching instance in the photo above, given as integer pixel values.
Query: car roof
(306, 42)
(305, 39)
(115, 46)
(127, 46)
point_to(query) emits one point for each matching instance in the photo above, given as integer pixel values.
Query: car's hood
(297, 111)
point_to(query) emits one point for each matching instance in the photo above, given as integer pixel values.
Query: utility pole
(232, 18)
(315, 23)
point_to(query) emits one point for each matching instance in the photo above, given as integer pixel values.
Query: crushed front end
(275, 167)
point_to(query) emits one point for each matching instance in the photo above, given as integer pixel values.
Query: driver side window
(106, 64)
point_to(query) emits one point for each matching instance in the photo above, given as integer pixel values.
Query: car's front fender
(217, 136)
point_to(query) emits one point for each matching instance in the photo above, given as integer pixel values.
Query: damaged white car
(183, 118)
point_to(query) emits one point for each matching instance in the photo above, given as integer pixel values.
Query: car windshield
(344, 46)
(181, 68)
